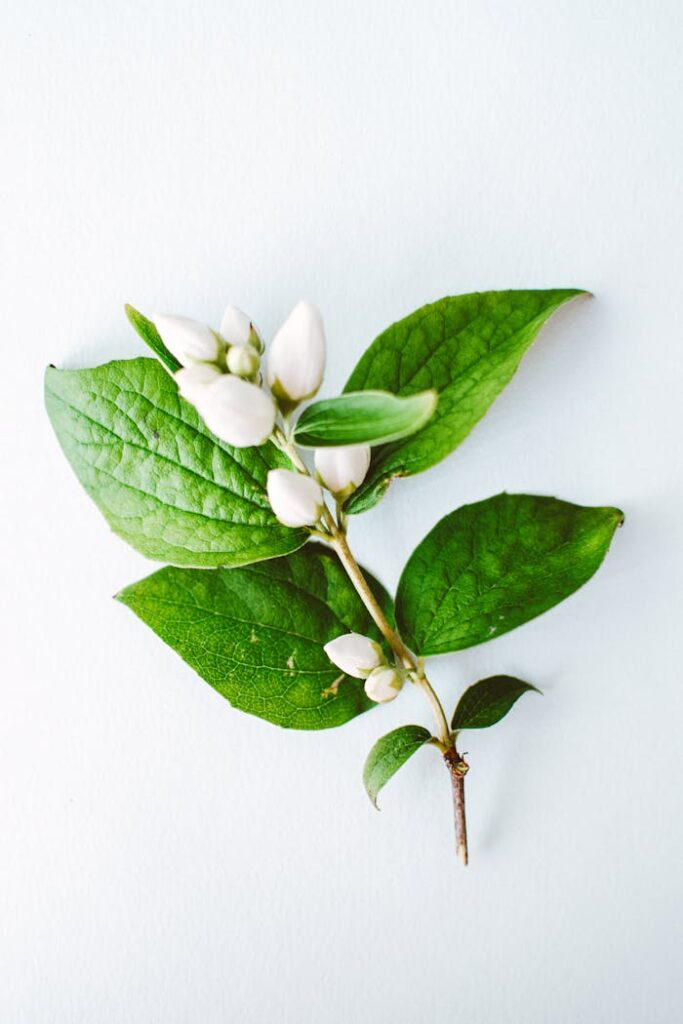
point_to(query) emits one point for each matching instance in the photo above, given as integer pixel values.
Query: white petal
(235, 326)
(296, 359)
(193, 380)
(342, 469)
(238, 412)
(355, 654)
(383, 684)
(296, 499)
(188, 340)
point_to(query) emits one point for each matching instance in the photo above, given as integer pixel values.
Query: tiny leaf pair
(482, 705)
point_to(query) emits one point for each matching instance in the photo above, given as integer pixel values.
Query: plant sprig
(198, 458)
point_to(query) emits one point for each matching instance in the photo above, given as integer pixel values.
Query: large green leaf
(164, 483)
(256, 634)
(491, 566)
(389, 754)
(487, 701)
(366, 417)
(467, 348)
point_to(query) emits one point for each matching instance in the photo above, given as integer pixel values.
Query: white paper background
(165, 858)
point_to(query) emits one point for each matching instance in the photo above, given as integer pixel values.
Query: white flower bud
(383, 684)
(192, 381)
(296, 499)
(355, 654)
(296, 359)
(236, 411)
(242, 361)
(189, 341)
(237, 329)
(342, 470)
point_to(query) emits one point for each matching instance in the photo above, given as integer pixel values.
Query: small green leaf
(487, 701)
(389, 754)
(489, 567)
(466, 347)
(152, 338)
(256, 633)
(366, 417)
(164, 483)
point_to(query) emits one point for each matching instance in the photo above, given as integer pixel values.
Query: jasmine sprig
(206, 459)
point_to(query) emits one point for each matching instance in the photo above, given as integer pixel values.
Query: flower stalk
(444, 739)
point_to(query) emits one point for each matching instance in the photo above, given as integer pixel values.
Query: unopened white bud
(296, 359)
(192, 381)
(188, 340)
(296, 499)
(236, 411)
(242, 361)
(342, 470)
(383, 684)
(237, 329)
(355, 654)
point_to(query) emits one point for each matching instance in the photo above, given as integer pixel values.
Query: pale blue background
(166, 859)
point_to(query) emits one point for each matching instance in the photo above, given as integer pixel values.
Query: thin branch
(409, 661)
(334, 531)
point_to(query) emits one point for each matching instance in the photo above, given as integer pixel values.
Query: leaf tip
(372, 797)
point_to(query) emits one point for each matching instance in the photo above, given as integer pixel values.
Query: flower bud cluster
(363, 658)
(220, 370)
(220, 376)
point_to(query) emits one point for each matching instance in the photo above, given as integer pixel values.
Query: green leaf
(488, 701)
(489, 567)
(162, 480)
(366, 417)
(256, 634)
(467, 348)
(389, 754)
(152, 338)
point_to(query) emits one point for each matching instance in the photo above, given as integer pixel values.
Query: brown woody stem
(458, 768)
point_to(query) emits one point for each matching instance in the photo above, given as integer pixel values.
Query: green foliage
(163, 482)
(152, 338)
(489, 567)
(487, 701)
(467, 348)
(256, 634)
(389, 754)
(366, 417)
